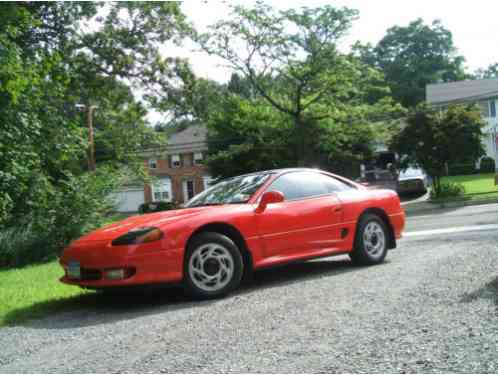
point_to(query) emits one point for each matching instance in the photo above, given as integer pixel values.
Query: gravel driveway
(430, 308)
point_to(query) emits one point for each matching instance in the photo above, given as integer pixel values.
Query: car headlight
(138, 236)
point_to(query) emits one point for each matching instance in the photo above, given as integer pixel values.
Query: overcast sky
(474, 25)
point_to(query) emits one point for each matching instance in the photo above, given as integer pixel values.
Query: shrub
(20, 246)
(487, 165)
(76, 205)
(146, 208)
(448, 190)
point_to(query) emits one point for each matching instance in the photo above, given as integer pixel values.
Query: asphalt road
(431, 307)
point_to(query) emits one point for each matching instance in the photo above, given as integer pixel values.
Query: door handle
(337, 209)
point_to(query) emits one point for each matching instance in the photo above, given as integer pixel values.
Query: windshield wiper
(206, 204)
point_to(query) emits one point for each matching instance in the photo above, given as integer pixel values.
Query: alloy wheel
(374, 239)
(211, 267)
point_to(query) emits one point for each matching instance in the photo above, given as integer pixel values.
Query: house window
(161, 190)
(188, 190)
(175, 161)
(198, 158)
(492, 108)
(485, 108)
(152, 163)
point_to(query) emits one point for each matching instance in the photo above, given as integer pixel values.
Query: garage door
(128, 200)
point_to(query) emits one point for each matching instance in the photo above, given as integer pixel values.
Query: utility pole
(89, 123)
(91, 145)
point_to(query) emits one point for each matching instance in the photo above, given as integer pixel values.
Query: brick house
(179, 167)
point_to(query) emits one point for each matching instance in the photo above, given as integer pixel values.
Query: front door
(188, 190)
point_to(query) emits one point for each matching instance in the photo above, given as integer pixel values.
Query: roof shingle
(462, 91)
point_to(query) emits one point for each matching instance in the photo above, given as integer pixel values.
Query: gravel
(432, 307)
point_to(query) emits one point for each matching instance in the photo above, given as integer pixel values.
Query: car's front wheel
(213, 266)
(370, 245)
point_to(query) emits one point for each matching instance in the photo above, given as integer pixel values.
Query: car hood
(157, 219)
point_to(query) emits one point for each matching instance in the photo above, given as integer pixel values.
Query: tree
(47, 65)
(433, 138)
(490, 72)
(246, 136)
(241, 86)
(412, 57)
(189, 100)
(291, 60)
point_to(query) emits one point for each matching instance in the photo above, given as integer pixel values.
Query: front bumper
(149, 265)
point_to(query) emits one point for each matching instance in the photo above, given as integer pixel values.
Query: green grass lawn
(476, 184)
(33, 292)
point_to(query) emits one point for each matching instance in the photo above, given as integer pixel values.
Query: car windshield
(234, 190)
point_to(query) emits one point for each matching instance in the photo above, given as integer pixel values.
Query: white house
(483, 92)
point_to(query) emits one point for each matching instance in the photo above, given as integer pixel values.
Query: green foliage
(241, 86)
(447, 190)
(412, 57)
(22, 245)
(251, 135)
(487, 165)
(490, 72)
(246, 137)
(192, 100)
(149, 207)
(291, 69)
(461, 169)
(48, 64)
(69, 209)
(432, 138)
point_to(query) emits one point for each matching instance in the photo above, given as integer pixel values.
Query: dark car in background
(412, 180)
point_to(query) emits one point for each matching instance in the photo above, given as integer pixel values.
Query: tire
(371, 239)
(213, 266)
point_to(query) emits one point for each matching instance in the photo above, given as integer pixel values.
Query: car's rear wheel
(370, 245)
(213, 266)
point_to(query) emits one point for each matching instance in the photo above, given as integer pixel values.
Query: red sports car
(241, 224)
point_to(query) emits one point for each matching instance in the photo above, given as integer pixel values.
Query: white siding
(489, 138)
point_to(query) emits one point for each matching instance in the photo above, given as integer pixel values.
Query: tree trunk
(300, 144)
(436, 184)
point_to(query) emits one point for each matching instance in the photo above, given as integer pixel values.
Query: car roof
(281, 171)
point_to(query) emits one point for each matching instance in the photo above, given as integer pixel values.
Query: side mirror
(267, 198)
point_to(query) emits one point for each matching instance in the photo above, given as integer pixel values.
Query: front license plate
(74, 270)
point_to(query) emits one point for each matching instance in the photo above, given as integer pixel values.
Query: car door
(306, 221)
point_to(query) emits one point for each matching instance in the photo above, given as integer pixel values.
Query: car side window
(299, 185)
(287, 185)
(296, 185)
(334, 185)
